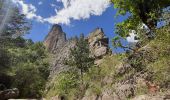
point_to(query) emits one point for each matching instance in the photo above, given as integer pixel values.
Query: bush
(65, 84)
(29, 81)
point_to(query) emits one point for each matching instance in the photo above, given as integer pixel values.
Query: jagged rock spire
(55, 38)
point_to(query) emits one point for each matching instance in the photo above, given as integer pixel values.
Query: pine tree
(80, 56)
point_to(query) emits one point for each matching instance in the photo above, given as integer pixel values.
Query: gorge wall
(117, 77)
(59, 46)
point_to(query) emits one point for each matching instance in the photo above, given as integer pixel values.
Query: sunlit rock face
(98, 43)
(55, 39)
(59, 46)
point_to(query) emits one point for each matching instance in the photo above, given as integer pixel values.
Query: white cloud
(72, 10)
(29, 10)
(77, 10)
(131, 37)
(40, 3)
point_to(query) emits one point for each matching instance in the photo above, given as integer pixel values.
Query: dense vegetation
(71, 82)
(149, 56)
(152, 49)
(23, 64)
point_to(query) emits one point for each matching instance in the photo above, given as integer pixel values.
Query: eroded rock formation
(59, 46)
(98, 43)
(55, 39)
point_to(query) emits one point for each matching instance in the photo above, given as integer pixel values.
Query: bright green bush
(64, 84)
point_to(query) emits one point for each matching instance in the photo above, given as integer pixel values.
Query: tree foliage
(23, 64)
(154, 57)
(13, 23)
(31, 73)
(80, 56)
(146, 11)
(141, 12)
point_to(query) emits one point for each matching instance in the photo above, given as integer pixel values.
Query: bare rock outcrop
(59, 46)
(60, 56)
(55, 39)
(9, 93)
(98, 42)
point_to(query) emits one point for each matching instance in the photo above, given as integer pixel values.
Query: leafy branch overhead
(141, 12)
(147, 11)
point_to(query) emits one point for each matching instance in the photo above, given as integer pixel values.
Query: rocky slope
(142, 75)
(59, 46)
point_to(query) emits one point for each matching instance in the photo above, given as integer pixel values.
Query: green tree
(148, 12)
(16, 24)
(23, 64)
(66, 82)
(12, 22)
(30, 69)
(80, 56)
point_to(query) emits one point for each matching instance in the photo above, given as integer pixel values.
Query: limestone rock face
(55, 39)
(60, 56)
(59, 46)
(98, 43)
(100, 51)
(125, 91)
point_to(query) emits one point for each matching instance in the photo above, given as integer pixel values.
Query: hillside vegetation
(120, 76)
(83, 68)
(143, 69)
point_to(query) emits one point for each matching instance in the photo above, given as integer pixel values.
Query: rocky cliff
(59, 46)
(139, 75)
(98, 43)
(55, 39)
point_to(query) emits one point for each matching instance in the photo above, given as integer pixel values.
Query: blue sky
(74, 25)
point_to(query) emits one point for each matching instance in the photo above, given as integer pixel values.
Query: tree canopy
(23, 63)
(141, 12)
(147, 11)
(80, 56)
